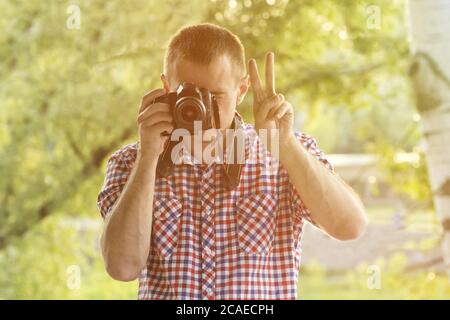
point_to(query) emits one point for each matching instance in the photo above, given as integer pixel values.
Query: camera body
(190, 103)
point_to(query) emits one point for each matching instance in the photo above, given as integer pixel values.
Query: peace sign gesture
(270, 110)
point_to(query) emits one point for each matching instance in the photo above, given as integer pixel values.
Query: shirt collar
(185, 156)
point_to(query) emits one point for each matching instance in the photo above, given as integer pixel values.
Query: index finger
(149, 97)
(270, 73)
(254, 76)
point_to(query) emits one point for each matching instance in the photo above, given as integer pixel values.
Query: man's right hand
(153, 120)
(126, 238)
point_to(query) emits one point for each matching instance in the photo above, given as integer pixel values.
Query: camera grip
(162, 99)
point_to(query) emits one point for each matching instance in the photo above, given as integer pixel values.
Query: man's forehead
(217, 76)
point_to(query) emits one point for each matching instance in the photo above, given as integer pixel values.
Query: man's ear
(165, 83)
(244, 84)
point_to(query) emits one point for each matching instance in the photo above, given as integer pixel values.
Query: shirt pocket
(166, 224)
(256, 217)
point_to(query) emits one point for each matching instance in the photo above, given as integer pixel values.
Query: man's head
(211, 57)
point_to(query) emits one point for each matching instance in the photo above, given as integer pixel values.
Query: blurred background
(72, 74)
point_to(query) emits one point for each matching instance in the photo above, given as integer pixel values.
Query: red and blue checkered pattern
(212, 243)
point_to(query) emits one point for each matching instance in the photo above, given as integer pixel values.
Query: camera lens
(188, 110)
(189, 113)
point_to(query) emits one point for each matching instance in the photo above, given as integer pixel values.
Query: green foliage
(70, 97)
(329, 59)
(46, 264)
(407, 178)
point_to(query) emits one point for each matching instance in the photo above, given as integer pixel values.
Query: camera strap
(231, 171)
(165, 164)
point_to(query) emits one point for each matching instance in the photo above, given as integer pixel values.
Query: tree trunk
(430, 74)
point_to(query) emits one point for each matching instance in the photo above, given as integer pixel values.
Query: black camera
(191, 103)
(188, 104)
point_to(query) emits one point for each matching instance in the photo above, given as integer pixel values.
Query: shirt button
(208, 251)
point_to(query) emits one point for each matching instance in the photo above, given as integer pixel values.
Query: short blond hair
(202, 43)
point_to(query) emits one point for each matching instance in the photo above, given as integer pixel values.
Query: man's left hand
(270, 110)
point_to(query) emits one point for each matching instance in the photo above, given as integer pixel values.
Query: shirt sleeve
(299, 208)
(117, 173)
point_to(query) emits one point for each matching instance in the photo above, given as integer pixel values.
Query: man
(187, 236)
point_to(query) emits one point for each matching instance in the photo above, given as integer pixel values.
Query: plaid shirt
(211, 243)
